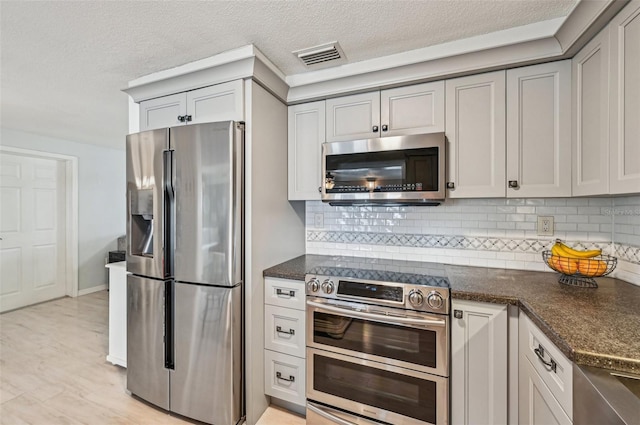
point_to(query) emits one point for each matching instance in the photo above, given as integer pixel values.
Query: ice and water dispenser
(141, 207)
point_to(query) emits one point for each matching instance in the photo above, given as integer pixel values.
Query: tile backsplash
(480, 232)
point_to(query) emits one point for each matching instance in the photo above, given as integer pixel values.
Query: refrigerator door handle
(169, 178)
(169, 351)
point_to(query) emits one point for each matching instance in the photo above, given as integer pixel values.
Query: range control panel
(402, 295)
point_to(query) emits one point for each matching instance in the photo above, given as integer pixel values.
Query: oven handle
(372, 316)
(329, 416)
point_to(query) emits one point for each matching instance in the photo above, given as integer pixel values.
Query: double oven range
(377, 347)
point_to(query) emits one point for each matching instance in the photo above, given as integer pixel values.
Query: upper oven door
(403, 338)
(403, 168)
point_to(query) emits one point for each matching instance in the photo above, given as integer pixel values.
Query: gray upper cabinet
(306, 135)
(590, 154)
(395, 112)
(412, 110)
(353, 117)
(606, 109)
(475, 127)
(539, 130)
(624, 35)
(163, 111)
(221, 102)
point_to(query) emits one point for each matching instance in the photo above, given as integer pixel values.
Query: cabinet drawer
(284, 293)
(284, 377)
(560, 381)
(284, 330)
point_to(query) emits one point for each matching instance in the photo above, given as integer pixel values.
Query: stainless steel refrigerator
(185, 256)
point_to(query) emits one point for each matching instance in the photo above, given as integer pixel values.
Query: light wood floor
(53, 370)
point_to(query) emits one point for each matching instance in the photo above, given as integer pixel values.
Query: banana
(564, 251)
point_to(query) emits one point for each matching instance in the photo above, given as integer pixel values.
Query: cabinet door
(478, 363)
(476, 145)
(590, 156)
(537, 406)
(162, 112)
(306, 136)
(221, 102)
(353, 117)
(539, 130)
(412, 110)
(624, 33)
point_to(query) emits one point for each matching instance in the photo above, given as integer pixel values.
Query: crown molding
(540, 42)
(242, 63)
(545, 41)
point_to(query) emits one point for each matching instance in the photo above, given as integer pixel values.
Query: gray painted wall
(101, 198)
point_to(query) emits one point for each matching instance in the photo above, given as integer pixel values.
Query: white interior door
(32, 228)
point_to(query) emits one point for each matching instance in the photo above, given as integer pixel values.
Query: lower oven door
(407, 339)
(376, 390)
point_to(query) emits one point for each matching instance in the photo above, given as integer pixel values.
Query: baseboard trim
(117, 361)
(93, 289)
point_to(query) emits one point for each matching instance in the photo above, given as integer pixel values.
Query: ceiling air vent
(328, 54)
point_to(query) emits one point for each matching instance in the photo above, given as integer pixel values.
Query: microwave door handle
(334, 419)
(377, 317)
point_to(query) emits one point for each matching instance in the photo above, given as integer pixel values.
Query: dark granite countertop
(592, 327)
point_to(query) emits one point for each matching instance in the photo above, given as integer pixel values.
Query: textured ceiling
(63, 64)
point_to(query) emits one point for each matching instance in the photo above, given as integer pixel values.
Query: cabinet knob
(451, 185)
(385, 127)
(187, 118)
(375, 128)
(513, 184)
(457, 314)
(181, 118)
(319, 189)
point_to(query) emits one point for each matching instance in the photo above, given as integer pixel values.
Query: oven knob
(313, 285)
(327, 286)
(416, 298)
(435, 300)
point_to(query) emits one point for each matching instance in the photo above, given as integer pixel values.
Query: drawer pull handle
(551, 363)
(286, 293)
(291, 377)
(290, 332)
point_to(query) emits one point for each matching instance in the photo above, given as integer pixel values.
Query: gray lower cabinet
(545, 389)
(284, 340)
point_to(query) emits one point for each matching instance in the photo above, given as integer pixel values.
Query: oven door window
(394, 392)
(411, 345)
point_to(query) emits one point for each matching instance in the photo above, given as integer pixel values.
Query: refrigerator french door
(184, 296)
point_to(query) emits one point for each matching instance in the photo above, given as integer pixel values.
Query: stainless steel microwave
(402, 170)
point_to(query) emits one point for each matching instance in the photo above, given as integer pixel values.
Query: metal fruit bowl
(580, 271)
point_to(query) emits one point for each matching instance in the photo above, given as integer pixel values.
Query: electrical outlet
(545, 226)
(318, 220)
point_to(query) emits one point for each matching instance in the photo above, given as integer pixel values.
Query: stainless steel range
(377, 347)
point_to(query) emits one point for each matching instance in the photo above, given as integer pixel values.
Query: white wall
(101, 198)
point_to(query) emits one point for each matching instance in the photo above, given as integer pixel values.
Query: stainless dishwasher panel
(147, 376)
(206, 383)
(600, 398)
